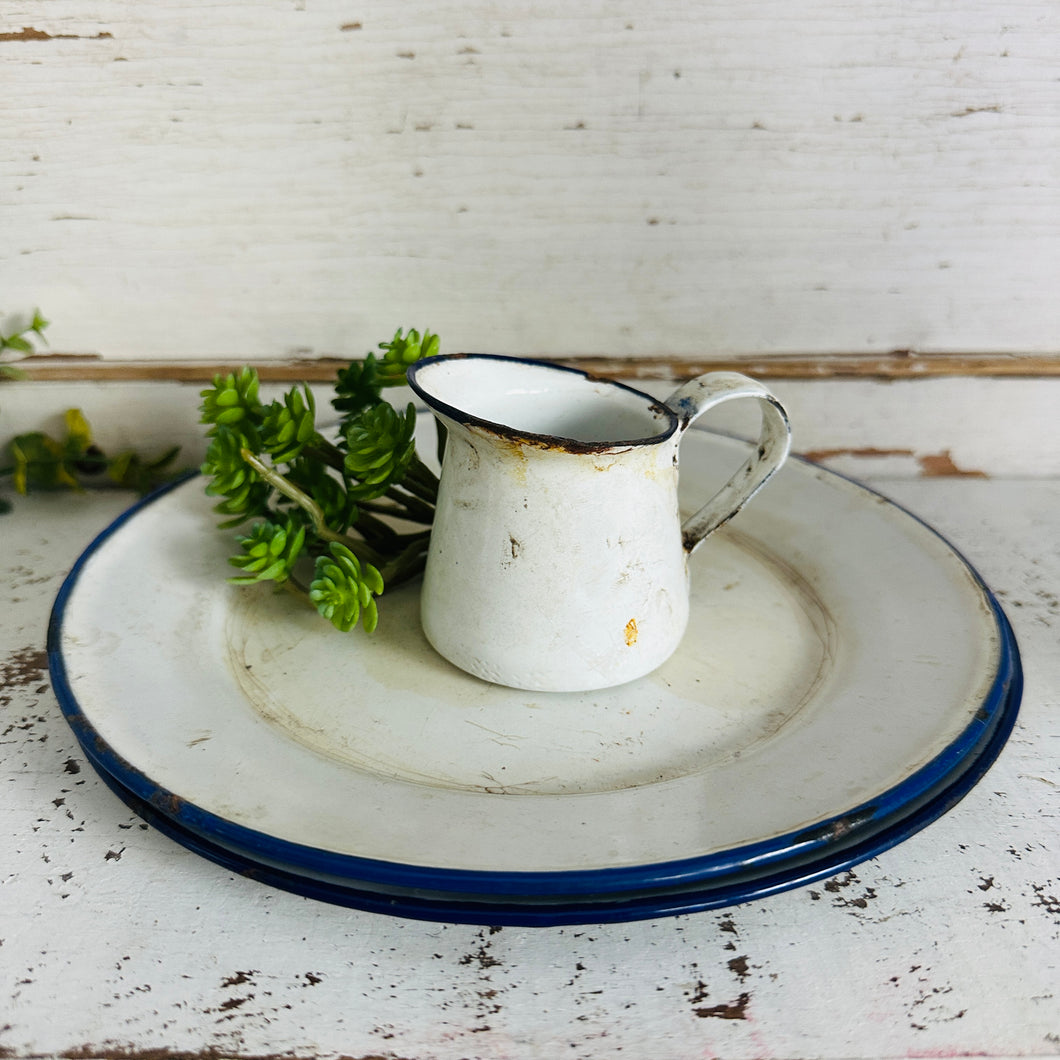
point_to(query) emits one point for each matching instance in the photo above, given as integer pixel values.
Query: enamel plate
(845, 678)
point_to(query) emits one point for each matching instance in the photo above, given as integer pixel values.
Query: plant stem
(326, 452)
(421, 480)
(393, 510)
(362, 550)
(418, 510)
(407, 565)
(371, 527)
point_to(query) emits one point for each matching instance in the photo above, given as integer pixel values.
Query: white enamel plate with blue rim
(846, 677)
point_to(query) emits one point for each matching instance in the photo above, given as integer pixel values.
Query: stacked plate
(846, 678)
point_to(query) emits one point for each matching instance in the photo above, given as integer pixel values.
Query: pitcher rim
(550, 441)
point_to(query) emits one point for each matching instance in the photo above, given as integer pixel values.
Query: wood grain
(296, 179)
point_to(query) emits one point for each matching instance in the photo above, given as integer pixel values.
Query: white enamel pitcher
(558, 558)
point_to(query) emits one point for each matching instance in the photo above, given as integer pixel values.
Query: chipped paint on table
(118, 942)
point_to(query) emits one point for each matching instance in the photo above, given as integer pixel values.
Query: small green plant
(72, 460)
(337, 521)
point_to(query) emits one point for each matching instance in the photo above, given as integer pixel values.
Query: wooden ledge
(897, 365)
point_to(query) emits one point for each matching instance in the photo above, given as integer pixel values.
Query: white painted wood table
(115, 941)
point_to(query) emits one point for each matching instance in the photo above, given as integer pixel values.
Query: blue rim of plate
(879, 823)
(609, 909)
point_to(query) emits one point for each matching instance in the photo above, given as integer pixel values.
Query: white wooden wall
(258, 179)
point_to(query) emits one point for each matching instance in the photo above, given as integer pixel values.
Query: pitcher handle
(695, 397)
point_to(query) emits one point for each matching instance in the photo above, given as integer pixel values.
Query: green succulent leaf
(78, 432)
(20, 343)
(357, 387)
(244, 494)
(132, 471)
(288, 425)
(404, 350)
(269, 552)
(233, 402)
(41, 462)
(344, 589)
(380, 448)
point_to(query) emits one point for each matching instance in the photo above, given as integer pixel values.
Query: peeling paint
(22, 668)
(29, 33)
(239, 979)
(939, 464)
(932, 465)
(817, 455)
(733, 1010)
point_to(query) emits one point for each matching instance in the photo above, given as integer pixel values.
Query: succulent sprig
(232, 401)
(405, 350)
(73, 460)
(288, 425)
(358, 386)
(344, 589)
(344, 502)
(243, 494)
(269, 552)
(380, 447)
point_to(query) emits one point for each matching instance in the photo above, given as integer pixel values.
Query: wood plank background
(272, 180)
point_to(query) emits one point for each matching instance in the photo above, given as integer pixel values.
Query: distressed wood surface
(116, 942)
(265, 180)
